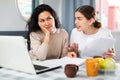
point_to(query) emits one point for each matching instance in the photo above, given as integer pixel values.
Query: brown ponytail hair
(89, 12)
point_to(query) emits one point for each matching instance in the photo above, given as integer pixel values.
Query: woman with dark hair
(87, 27)
(45, 38)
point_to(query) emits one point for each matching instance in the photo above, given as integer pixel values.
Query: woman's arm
(39, 49)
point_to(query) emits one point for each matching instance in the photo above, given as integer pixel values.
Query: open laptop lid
(14, 54)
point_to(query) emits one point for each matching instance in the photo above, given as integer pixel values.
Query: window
(25, 8)
(109, 13)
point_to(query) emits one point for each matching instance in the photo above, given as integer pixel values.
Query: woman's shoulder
(62, 31)
(105, 30)
(36, 34)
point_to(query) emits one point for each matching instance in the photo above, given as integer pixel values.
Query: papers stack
(96, 47)
(61, 62)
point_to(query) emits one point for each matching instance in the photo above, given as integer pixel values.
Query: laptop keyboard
(39, 67)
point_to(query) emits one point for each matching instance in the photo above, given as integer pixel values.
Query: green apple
(107, 63)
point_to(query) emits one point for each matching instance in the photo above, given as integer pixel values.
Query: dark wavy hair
(32, 23)
(89, 12)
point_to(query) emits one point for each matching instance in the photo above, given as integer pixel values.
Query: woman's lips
(77, 27)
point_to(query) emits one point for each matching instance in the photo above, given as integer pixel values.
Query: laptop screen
(14, 55)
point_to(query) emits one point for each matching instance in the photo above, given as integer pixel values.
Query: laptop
(14, 55)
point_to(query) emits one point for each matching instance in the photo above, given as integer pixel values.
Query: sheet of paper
(96, 47)
(60, 62)
(68, 60)
(48, 63)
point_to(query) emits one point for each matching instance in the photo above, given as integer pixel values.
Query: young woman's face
(46, 20)
(81, 22)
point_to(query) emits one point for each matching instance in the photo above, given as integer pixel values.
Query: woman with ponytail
(87, 27)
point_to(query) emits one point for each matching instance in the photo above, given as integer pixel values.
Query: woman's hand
(110, 53)
(47, 35)
(72, 50)
(72, 54)
(73, 47)
(45, 31)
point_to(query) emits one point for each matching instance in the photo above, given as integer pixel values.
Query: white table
(57, 74)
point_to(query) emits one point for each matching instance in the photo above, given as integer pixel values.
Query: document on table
(60, 62)
(68, 60)
(96, 47)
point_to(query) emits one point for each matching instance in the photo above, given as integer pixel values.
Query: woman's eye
(79, 18)
(42, 20)
(49, 18)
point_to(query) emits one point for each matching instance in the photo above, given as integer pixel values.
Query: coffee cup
(70, 70)
(92, 66)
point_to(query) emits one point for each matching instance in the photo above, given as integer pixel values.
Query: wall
(9, 17)
(56, 5)
(116, 35)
